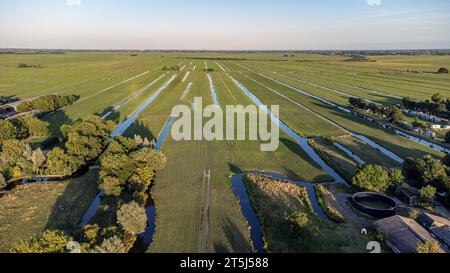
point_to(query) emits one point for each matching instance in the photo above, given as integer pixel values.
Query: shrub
(50, 241)
(111, 245)
(429, 246)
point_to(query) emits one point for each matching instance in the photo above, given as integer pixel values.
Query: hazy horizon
(225, 25)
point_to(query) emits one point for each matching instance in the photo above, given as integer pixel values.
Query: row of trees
(119, 238)
(391, 113)
(429, 175)
(129, 164)
(438, 106)
(428, 171)
(376, 178)
(46, 103)
(85, 141)
(23, 128)
(128, 167)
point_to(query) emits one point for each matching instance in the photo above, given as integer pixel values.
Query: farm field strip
(371, 143)
(396, 83)
(111, 87)
(133, 96)
(404, 148)
(348, 95)
(365, 94)
(371, 83)
(121, 128)
(178, 221)
(303, 142)
(431, 81)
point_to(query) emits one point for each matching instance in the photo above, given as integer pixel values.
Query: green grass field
(30, 209)
(104, 80)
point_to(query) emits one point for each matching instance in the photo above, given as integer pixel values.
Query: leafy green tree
(61, 163)
(111, 245)
(87, 139)
(373, 178)
(111, 185)
(38, 159)
(428, 247)
(35, 127)
(434, 172)
(147, 157)
(132, 218)
(396, 178)
(7, 131)
(393, 114)
(50, 241)
(427, 193)
(16, 155)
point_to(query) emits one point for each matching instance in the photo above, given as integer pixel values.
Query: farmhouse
(403, 234)
(438, 226)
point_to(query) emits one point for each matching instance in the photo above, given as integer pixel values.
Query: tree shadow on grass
(56, 120)
(234, 168)
(139, 128)
(70, 207)
(113, 115)
(237, 242)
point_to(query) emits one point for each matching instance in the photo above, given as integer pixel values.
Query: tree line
(127, 169)
(46, 104)
(428, 174)
(84, 141)
(390, 113)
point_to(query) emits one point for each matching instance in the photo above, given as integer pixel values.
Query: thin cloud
(73, 2)
(374, 2)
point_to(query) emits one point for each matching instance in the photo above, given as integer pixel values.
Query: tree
(437, 98)
(50, 241)
(434, 172)
(396, 178)
(111, 185)
(427, 193)
(61, 163)
(373, 178)
(17, 156)
(147, 157)
(38, 159)
(428, 247)
(7, 131)
(111, 245)
(132, 218)
(35, 127)
(393, 114)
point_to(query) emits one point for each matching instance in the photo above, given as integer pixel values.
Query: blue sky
(225, 24)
